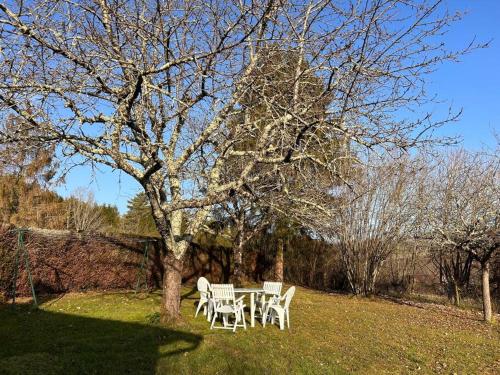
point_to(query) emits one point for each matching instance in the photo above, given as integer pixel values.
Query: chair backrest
(288, 296)
(272, 287)
(203, 286)
(222, 292)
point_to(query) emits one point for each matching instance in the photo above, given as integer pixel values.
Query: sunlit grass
(330, 334)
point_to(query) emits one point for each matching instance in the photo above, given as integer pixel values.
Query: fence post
(144, 263)
(23, 252)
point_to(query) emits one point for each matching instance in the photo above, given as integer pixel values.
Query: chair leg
(210, 310)
(213, 320)
(236, 319)
(288, 318)
(281, 317)
(209, 314)
(243, 318)
(200, 304)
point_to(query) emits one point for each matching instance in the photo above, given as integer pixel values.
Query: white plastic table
(252, 292)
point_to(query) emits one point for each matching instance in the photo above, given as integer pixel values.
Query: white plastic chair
(225, 303)
(283, 312)
(204, 288)
(272, 288)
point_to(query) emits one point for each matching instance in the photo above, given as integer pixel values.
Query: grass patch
(119, 333)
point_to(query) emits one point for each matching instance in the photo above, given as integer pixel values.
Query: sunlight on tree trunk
(278, 272)
(170, 305)
(456, 294)
(238, 275)
(485, 269)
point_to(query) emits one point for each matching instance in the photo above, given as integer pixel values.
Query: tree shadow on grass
(43, 342)
(189, 296)
(190, 293)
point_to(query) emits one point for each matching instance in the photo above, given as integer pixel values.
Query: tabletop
(248, 290)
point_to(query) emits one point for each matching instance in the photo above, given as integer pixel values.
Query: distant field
(117, 333)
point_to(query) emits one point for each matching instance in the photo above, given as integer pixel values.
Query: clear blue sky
(473, 84)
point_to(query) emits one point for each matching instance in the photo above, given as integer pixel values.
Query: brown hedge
(61, 262)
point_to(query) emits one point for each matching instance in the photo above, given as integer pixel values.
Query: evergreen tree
(111, 217)
(138, 219)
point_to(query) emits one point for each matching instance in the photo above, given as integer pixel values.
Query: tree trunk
(369, 287)
(441, 280)
(453, 287)
(237, 276)
(173, 262)
(351, 274)
(456, 293)
(485, 268)
(226, 265)
(278, 270)
(370, 276)
(172, 282)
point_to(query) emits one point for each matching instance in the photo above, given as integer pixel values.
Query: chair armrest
(237, 300)
(274, 300)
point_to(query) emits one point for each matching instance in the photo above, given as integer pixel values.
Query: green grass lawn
(116, 333)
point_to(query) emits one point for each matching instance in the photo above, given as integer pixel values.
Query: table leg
(252, 309)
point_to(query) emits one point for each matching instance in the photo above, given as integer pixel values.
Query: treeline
(422, 224)
(26, 200)
(29, 204)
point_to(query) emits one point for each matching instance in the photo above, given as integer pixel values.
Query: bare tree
(84, 216)
(377, 215)
(248, 219)
(455, 268)
(463, 211)
(151, 88)
(238, 220)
